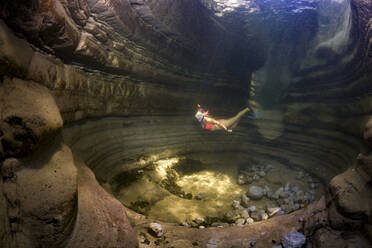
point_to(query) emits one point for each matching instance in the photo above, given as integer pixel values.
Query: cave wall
(120, 60)
(337, 93)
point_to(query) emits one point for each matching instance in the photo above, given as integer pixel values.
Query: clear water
(206, 185)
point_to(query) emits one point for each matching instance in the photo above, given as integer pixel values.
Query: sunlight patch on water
(210, 183)
(162, 165)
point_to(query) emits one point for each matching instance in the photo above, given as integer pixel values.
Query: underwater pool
(216, 189)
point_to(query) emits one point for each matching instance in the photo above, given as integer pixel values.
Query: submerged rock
(264, 216)
(236, 204)
(255, 192)
(249, 221)
(244, 213)
(245, 200)
(293, 240)
(199, 220)
(240, 222)
(262, 174)
(273, 211)
(156, 229)
(256, 216)
(241, 180)
(252, 209)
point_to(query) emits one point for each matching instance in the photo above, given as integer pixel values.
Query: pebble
(201, 227)
(252, 209)
(241, 179)
(283, 194)
(212, 243)
(264, 216)
(199, 220)
(236, 204)
(273, 211)
(199, 196)
(262, 174)
(249, 221)
(256, 216)
(296, 206)
(255, 192)
(244, 200)
(287, 187)
(295, 189)
(240, 222)
(185, 223)
(252, 243)
(156, 228)
(293, 240)
(300, 175)
(244, 214)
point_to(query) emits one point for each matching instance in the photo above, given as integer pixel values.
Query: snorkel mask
(199, 116)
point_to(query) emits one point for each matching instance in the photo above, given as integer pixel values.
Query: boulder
(293, 240)
(255, 192)
(30, 117)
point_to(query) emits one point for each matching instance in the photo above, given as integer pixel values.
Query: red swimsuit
(209, 126)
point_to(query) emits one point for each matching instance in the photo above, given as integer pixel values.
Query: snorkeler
(209, 123)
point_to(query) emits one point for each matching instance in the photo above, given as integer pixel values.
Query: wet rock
(262, 174)
(156, 229)
(248, 180)
(255, 192)
(240, 222)
(283, 194)
(295, 206)
(245, 200)
(200, 196)
(249, 221)
(244, 213)
(236, 204)
(293, 240)
(232, 216)
(241, 179)
(277, 193)
(256, 177)
(219, 224)
(300, 175)
(287, 187)
(185, 223)
(199, 220)
(295, 189)
(264, 216)
(256, 216)
(188, 196)
(212, 243)
(252, 209)
(273, 211)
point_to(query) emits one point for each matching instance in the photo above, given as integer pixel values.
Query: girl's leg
(233, 122)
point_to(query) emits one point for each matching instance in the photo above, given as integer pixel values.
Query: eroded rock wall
(337, 94)
(47, 198)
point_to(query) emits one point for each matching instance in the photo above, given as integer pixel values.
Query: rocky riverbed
(216, 190)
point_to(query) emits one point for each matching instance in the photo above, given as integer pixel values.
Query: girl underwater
(209, 123)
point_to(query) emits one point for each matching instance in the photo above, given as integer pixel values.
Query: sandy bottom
(213, 187)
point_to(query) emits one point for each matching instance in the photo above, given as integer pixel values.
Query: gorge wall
(124, 77)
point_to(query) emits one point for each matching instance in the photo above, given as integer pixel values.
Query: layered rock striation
(143, 65)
